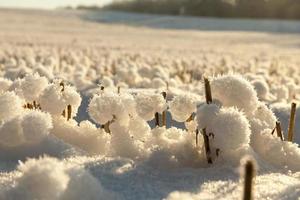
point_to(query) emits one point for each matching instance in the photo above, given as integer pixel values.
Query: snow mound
(50, 179)
(32, 127)
(281, 154)
(84, 136)
(286, 188)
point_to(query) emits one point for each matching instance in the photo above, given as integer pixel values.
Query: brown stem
(106, 127)
(292, 122)
(63, 86)
(197, 133)
(191, 118)
(156, 119)
(206, 146)
(164, 113)
(279, 130)
(69, 110)
(208, 95)
(248, 182)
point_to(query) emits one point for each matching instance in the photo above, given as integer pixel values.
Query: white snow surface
(49, 152)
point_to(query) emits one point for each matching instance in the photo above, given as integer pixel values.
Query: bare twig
(292, 122)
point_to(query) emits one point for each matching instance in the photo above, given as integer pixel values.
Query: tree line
(280, 9)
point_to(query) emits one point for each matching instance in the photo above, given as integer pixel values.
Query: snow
(78, 102)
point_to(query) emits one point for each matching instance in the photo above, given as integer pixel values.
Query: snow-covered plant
(108, 106)
(182, 107)
(30, 88)
(234, 90)
(149, 104)
(50, 179)
(11, 106)
(57, 97)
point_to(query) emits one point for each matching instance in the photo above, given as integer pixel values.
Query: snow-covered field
(106, 111)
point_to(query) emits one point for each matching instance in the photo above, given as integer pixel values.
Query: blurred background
(238, 15)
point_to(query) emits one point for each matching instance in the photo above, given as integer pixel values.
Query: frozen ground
(136, 161)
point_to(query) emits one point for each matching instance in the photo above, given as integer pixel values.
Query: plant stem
(208, 95)
(156, 119)
(69, 110)
(292, 122)
(197, 133)
(248, 182)
(164, 114)
(279, 130)
(206, 146)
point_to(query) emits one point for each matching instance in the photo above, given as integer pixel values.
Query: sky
(49, 4)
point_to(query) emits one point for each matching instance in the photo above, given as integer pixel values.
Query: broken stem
(156, 119)
(279, 130)
(208, 95)
(292, 122)
(248, 182)
(69, 111)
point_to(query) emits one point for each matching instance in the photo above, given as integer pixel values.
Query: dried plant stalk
(69, 110)
(164, 118)
(106, 127)
(208, 95)
(164, 113)
(207, 146)
(292, 122)
(248, 181)
(197, 133)
(63, 86)
(279, 130)
(156, 119)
